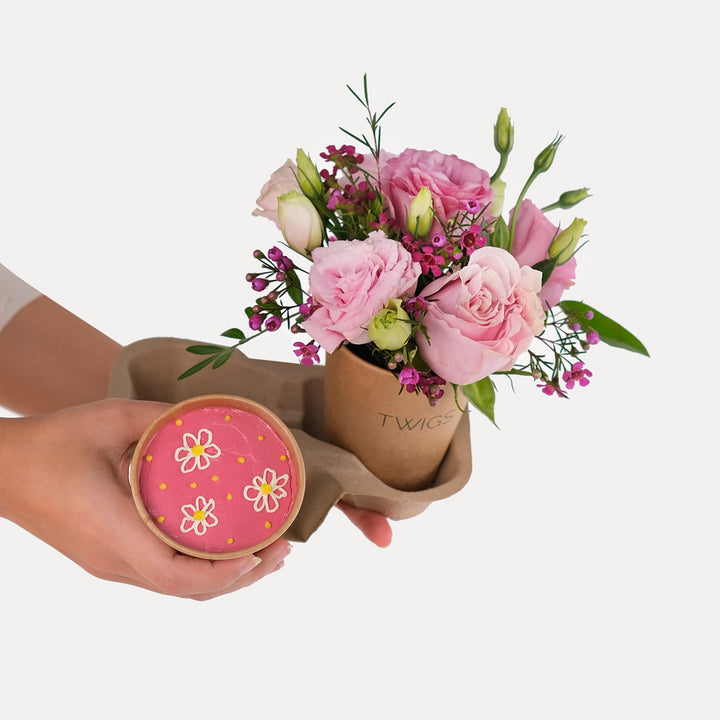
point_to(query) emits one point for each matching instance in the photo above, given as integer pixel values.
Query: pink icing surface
(217, 480)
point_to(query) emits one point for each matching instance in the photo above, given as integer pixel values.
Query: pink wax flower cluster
(408, 259)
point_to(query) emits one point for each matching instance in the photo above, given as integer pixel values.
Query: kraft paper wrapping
(148, 370)
(397, 435)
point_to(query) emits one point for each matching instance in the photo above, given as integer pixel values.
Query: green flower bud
(563, 246)
(504, 133)
(572, 197)
(391, 328)
(308, 176)
(568, 199)
(498, 187)
(545, 159)
(420, 213)
(299, 222)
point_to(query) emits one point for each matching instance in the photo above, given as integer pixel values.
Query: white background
(576, 575)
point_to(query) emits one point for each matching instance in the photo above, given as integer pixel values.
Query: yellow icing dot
(230, 541)
(266, 488)
(193, 484)
(197, 449)
(241, 459)
(268, 524)
(178, 422)
(162, 486)
(148, 458)
(229, 496)
(214, 478)
(283, 457)
(161, 519)
(198, 515)
(227, 417)
(261, 437)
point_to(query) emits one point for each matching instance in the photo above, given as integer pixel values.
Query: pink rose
(532, 238)
(282, 181)
(451, 181)
(350, 281)
(480, 318)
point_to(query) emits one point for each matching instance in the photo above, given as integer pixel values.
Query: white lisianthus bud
(299, 222)
(420, 213)
(563, 246)
(391, 328)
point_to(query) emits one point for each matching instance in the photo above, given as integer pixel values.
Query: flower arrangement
(408, 259)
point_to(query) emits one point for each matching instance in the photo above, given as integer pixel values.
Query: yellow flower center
(197, 449)
(266, 488)
(199, 515)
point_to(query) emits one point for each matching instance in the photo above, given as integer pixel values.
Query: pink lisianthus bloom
(451, 181)
(533, 235)
(282, 181)
(480, 318)
(350, 281)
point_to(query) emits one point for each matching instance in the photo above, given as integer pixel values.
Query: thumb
(125, 421)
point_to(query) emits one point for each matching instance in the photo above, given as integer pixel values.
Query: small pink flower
(308, 353)
(409, 377)
(578, 374)
(272, 323)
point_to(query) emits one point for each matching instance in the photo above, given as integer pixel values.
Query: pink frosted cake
(217, 477)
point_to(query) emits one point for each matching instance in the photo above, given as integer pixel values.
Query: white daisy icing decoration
(266, 491)
(197, 451)
(198, 517)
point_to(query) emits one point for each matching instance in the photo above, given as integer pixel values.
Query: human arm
(50, 359)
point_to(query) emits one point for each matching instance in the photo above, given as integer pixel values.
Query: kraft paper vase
(398, 436)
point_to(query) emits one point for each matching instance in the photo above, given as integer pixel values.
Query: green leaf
(292, 283)
(234, 333)
(196, 368)
(481, 394)
(222, 358)
(204, 349)
(501, 234)
(609, 331)
(546, 267)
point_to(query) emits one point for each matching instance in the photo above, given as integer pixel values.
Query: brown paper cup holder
(148, 370)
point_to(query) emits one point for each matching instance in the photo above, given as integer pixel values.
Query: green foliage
(481, 395)
(610, 332)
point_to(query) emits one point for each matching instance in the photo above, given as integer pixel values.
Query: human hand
(63, 477)
(374, 526)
